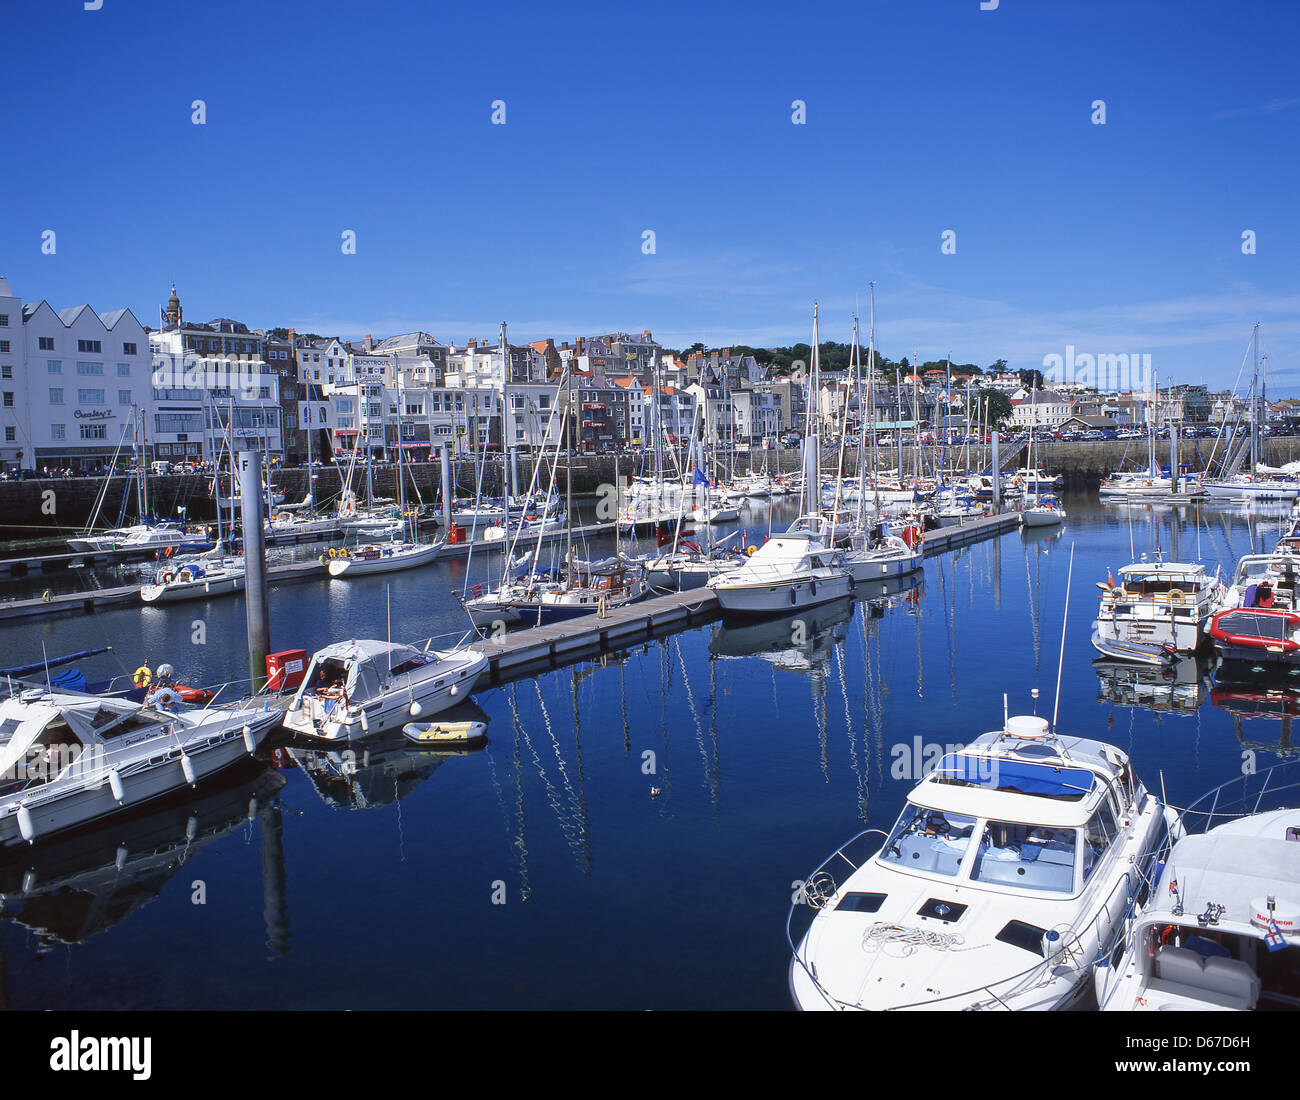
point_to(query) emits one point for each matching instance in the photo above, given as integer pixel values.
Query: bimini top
(1024, 773)
(369, 664)
(89, 719)
(1237, 871)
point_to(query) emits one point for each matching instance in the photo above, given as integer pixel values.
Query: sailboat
(391, 554)
(1044, 511)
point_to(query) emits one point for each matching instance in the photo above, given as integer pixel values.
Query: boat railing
(1274, 788)
(816, 891)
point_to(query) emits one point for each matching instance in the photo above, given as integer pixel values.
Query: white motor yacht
(1009, 873)
(1222, 931)
(68, 760)
(353, 689)
(787, 572)
(1160, 604)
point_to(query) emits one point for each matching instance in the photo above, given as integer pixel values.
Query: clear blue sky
(922, 116)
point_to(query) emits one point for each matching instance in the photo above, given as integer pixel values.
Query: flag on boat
(700, 478)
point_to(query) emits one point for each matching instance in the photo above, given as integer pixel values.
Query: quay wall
(57, 507)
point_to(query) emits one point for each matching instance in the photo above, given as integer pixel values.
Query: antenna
(1065, 618)
(46, 658)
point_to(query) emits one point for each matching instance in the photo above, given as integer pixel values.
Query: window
(45, 343)
(124, 397)
(1028, 857)
(90, 368)
(929, 841)
(4, 320)
(91, 346)
(56, 396)
(4, 346)
(10, 434)
(58, 431)
(9, 399)
(6, 371)
(124, 370)
(127, 349)
(94, 431)
(1099, 833)
(90, 397)
(54, 366)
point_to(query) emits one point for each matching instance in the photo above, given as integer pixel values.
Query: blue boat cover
(1000, 774)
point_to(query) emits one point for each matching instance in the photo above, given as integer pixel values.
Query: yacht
(353, 689)
(691, 566)
(194, 579)
(1156, 604)
(535, 598)
(1222, 931)
(383, 557)
(872, 556)
(68, 760)
(1044, 512)
(1007, 876)
(1245, 488)
(787, 572)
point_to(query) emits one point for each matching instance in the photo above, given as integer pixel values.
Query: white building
(71, 383)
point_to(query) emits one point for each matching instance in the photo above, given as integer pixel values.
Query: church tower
(173, 308)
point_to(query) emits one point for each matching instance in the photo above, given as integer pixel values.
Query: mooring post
(997, 474)
(446, 488)
(257, 613)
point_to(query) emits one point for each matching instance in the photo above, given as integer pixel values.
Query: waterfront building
(71, 383)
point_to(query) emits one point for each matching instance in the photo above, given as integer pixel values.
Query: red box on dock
(286, 670)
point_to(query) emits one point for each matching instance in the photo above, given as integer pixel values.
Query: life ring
(343, 552)
(167, 578)
(1175, 594)
(332, 552)
(750, 551)
(142, 677)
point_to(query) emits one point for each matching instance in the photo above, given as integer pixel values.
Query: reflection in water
(72, 887)
(1262, 700)
(1179, 690)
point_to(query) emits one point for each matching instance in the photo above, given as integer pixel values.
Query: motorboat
(1165, 604)
(1222, 930)
(787, 572)
(690, 566)
(69, 759)
(383, 557)
(1008, 875)
(356, 688)
(1266, 636)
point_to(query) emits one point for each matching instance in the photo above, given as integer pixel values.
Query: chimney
(473, 342)
(645, 335)
(367, 343)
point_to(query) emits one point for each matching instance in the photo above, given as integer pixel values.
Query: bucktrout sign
(96, 414)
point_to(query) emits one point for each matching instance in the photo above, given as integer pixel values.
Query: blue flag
(700, 479)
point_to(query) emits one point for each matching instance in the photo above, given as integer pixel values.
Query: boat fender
(142, 677)
(365, 722)
(454, 689)
(116, 785)
(120, 857)
(812, 588)
(29, 881)
(250, 742)
(26, 826)
(415, 710)
(187, 769)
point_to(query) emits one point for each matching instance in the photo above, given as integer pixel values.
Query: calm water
(377, 890)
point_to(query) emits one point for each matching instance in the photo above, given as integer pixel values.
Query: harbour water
(632, 834)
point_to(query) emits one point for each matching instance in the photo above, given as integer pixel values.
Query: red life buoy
(911, 536)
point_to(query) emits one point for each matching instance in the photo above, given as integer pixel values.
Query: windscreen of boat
(932, 841)
(1016, 776)
(1028, 857)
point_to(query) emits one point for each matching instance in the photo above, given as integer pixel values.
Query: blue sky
(922, 116)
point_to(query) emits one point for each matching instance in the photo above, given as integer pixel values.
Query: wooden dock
(541, 647)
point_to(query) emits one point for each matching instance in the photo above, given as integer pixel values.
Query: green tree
(998, 406)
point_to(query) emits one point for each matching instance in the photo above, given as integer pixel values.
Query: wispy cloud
(1269, 108)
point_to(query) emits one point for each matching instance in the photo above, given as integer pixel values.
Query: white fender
(192, 827)
(116, 785)
(365, 722)
(252, 808)
(119, 860)
(249, 742)
(187, 769)
(415, 710)
(453, 690)
(29, 882)
(26, 826)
